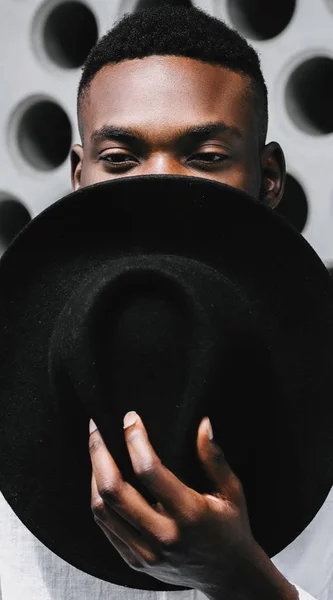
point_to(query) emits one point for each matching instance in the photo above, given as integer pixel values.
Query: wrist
(254, 577)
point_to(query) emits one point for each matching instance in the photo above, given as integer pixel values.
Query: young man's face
(144, 116)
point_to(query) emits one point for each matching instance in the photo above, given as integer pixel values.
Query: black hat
(177, 297)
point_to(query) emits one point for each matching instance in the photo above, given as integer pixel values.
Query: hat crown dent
(155, 313)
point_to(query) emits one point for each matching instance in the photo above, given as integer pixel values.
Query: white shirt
(30, 571)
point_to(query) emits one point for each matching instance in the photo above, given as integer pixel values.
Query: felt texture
(177, 297)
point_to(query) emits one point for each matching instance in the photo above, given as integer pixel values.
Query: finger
(127, 541)
(123, 550)
(96, 501)
(160, 509)
(178, 499)
(120, 495)
(215, 463)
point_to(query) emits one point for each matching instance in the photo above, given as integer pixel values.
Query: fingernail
(130, 418)
(92, 426)
(209, 429)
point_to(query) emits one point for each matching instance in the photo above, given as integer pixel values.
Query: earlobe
(273, 174)
(76, 166)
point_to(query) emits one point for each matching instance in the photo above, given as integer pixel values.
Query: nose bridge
(163, 162)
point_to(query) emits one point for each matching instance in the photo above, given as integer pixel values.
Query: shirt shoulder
(308, 560)
(31, 571)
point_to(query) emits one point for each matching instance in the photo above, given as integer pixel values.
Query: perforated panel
(40, 70)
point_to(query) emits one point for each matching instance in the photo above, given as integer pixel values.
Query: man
(133, 81)
(169, 91)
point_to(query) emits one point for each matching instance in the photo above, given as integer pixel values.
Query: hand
(200, 541)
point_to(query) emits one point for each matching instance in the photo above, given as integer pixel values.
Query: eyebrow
(187, 134)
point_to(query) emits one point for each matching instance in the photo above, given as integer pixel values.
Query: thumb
(212, 457)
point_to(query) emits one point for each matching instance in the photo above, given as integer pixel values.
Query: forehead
(165, 92)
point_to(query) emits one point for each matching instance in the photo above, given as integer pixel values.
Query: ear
(76, 166)
(273, 167)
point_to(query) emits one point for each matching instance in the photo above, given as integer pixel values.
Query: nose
(163, 164)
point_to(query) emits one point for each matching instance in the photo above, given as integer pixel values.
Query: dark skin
(161, 96)
(185, 117)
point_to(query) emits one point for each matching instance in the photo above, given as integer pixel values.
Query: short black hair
(178, 31)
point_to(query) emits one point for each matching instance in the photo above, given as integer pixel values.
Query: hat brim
(42, 476)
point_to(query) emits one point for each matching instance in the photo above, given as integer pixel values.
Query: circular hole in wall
(309, 96)
(141, 4)
(329, 4)
(261, 19)
(13, 217)
(294, 205)
(43, 133)
(69, 32)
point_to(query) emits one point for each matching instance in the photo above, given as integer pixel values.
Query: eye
(209, 157)
(115, 159)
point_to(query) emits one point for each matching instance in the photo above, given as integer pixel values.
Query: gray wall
(39, 77)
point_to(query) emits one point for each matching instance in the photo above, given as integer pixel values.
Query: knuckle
(95, 443)
(146, 470)
(98, 509)
(134, 435)
(110, 491)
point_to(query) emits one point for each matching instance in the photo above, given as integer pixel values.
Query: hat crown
(155, 334)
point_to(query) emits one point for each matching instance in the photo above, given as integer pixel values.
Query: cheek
(244, 178)
(93, 173)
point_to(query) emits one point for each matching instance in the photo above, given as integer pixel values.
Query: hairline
(254, 88)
